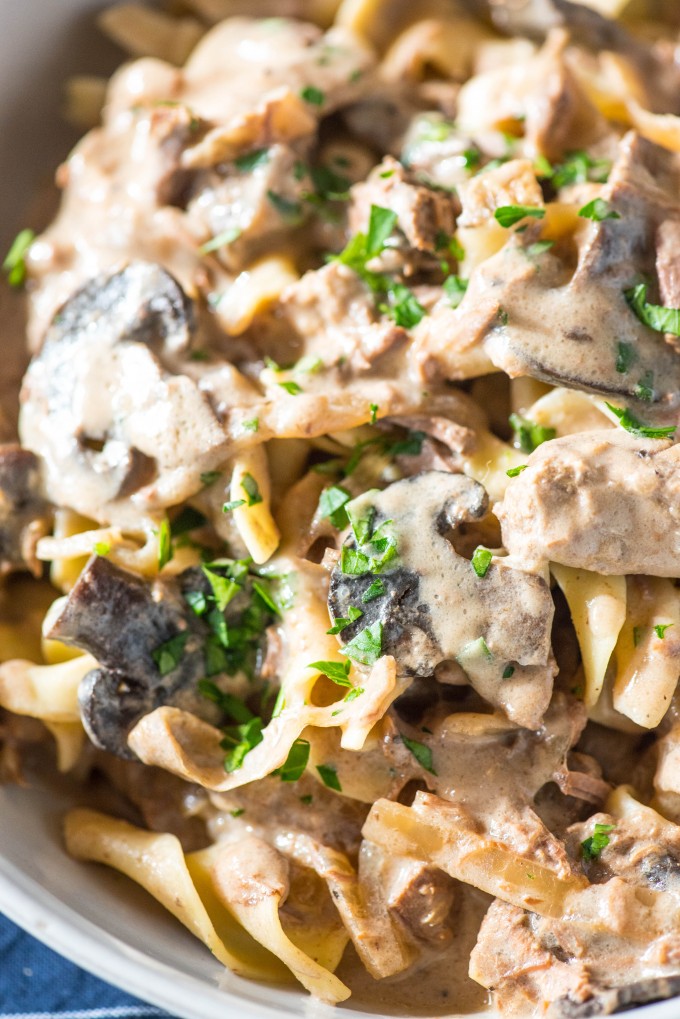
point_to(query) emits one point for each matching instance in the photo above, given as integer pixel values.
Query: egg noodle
(340, 541)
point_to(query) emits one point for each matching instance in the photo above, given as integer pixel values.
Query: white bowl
(93, 916)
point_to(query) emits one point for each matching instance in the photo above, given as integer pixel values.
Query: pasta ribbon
(253, 517)
(598, 610)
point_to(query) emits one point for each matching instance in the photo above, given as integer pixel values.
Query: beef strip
(25, 514)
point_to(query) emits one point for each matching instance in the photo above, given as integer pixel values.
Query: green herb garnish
(481, 560)
(294, 766)
(455, 287)
(220, 241)
(593, 846)
(251, 160)
(598, 210)
(625, 355)
(329, 776)
(421, 752)
(513, 472)
(251, 488)
(528, 435)
(508, 215)
(313, 96)
(15, 261)
(165, 552)
(338, 672)
(662, 320)
(375, 590)
(288, 209)
(332, 505)
(342, 622)
(660, 629)
(366, 647)
(293, 388)
(168, 655)
(638, 428)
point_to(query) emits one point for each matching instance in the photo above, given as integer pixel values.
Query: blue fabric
(36, 983)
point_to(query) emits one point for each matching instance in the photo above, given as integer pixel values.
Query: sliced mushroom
(123, 621)
(24, 512)
(434, 607)
(146, 433)
(536, 315)
(603, 501)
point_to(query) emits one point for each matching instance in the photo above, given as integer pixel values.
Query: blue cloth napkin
(36, 983)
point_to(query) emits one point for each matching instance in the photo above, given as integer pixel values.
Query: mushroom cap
(434, 607)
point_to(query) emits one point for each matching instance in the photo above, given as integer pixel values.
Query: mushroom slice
(24, 513)
(536, 315)
(402, 570)
(148, 642)
(603, 501)
(119, 337)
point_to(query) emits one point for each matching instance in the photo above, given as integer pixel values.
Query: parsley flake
(338, 672)
(366, 647)
(294, 766)
(227, 507)
(102, 548)
(168, 655)
(455, 288)
(375, 590)
(528, 435)
(14, 264)
(313, 96)
(251, 160)
(625, 355)
(332, 505)
(165, 551)
(210, 477)
(220, 241)
(293, 388)
(660, 629)
(224, 589)
(508, 215)
(598, 210)
(251, 488)
(342, 622)
(374, 408)
(593, 846)
(513, 472)
(508, 671)
(481, 560)
(288, 209)
(329, 777)
(421, 752)
(662, 320)
(239, 740)
(638, 428)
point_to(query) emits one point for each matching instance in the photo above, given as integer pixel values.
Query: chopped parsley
(625, 355)
(481, 560)
(252, 425)
(102, 548)
(593, 846)
(354, 563)
(168, 655)
(293, 388)
(329, 776)
(338, 672)
(332, 505)
(412, 445)
(220, 241)
(269, 602)
(375, 590)
(342, 622)
(224, 589)
(251, 160)
(471, 157)
(421, 752)
(644, 390)
(508, 215)
(366, 647)
(362, 526)
(14, 265)
(403, 307)
(313, 96)
(528, 435)
(538, 248)
(638, 428)
(165, 552)
(508, 671)
(210, 477)
(239, 740)
(374, 408)
(288, 209)
(233, 504)
(662, 320)
(294, 766)
(513, 472)
(227, 703)
(237, 811)
(251, 488)
(578, 167)
(455, 287)
(598, 210)
(660, 629)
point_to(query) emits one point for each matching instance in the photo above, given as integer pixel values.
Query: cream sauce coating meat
(629, 486)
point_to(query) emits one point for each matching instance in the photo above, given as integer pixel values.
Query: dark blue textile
(36, 983)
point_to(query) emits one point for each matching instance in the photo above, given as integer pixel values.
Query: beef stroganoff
(338, 528)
